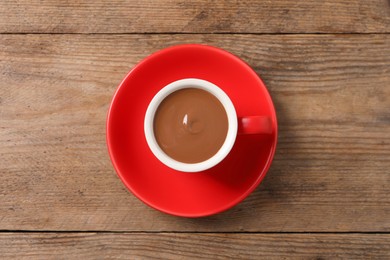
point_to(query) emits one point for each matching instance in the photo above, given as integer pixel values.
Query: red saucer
(179, 193)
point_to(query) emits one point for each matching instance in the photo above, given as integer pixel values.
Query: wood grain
(331, 171)
(193, 246)
(195, 16)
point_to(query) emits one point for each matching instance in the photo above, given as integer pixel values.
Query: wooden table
(327, 67)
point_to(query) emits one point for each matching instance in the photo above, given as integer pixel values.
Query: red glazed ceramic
(210, 191)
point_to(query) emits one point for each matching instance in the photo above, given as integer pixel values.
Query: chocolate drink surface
(190, 125)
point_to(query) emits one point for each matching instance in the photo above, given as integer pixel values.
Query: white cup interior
(230, 137)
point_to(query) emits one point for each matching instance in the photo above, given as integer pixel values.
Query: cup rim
(230, 136)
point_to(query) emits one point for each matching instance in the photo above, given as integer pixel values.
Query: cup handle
(255, 125)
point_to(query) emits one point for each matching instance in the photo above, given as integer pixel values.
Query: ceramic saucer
(179, 193)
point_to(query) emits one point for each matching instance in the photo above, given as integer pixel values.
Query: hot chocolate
(190, 125)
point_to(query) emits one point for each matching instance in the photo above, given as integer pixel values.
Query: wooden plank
(331, 171)
(250, 16)
(193, 246)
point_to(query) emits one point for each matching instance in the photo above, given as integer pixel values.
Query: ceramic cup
(243, 125)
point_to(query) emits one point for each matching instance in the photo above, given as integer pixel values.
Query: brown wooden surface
(193, 246)
(327, 194)
(330, 173)
(249, 16)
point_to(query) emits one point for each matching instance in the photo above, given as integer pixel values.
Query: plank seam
(199, 232)
(193, 33)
